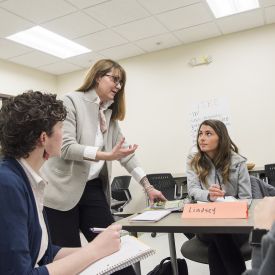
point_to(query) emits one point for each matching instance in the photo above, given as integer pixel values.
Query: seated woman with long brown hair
(214, 171)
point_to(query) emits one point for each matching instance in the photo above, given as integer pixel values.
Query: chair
(270, 173)
(166, 184)
(121, 195)
(196, 250)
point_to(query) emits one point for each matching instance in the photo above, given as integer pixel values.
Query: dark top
(20, 231)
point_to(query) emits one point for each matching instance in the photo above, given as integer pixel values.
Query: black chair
(121, 195)
(270, 173)
(196, 250)
(167, 185)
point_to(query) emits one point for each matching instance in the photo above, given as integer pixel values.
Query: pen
(99, 230)
(217, 176)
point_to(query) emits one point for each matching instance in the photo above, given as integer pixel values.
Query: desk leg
(137, 264)
(173, 253)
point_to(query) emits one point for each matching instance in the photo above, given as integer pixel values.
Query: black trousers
(91, 211)
(224, 254)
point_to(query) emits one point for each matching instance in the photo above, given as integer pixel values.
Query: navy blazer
(20, 231)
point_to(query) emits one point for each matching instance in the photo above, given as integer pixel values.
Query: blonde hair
(100, 69)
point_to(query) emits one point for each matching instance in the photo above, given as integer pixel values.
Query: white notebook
(132, 250)
(150, 216)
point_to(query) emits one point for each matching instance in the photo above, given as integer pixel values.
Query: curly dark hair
(24, 117)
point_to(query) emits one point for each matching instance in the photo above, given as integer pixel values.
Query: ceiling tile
(117, 12)
(123, 51)
(241, 21)
(85, 3)
(185, 17)
(159, 42)
(270, 15)
(10, 49)
(101, 40)
(197, 33)
(61, 67)
(140, 29)
(15, 24)
(38, 11)
(67, 26)
(266, 3)
(34, 59)
(85, 60)
(157, 6)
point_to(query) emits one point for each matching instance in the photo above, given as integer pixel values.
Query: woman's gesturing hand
(120, 152)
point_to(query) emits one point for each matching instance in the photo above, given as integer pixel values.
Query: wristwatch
(256, 236)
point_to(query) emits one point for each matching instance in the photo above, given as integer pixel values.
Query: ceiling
(116, 29)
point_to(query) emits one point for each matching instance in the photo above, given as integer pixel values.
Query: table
(173, 223)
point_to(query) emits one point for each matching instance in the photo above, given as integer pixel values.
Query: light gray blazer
(238, 186)
(67, 176)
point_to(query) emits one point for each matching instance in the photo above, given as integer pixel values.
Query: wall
(161, 87)
(15, 79)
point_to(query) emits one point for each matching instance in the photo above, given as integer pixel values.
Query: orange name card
(216, 210)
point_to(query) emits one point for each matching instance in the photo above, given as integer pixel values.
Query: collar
(29, 171)
(92, 96)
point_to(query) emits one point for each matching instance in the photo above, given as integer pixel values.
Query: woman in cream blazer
(77, 196)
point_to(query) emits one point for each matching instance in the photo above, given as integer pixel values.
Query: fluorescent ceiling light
(222, 8)
(49, 42)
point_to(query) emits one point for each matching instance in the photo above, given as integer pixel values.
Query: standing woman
(214, 171)
(78, 193)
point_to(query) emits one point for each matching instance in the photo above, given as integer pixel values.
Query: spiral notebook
(132, 250)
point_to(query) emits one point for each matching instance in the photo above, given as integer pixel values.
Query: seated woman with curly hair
(30, 133)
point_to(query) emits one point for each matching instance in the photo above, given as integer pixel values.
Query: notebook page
(131, 251)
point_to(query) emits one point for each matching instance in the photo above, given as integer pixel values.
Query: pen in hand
(217, 176)
(99, 230)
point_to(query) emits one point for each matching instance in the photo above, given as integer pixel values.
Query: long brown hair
(222, 159)
(99, 69)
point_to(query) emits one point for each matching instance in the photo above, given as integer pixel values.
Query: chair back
(120, 188)
(165, 183)
(258, 188)
(270, 173)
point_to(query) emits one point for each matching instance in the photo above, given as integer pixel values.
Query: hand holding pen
(107, 242)
(215, 192)
(99, 230)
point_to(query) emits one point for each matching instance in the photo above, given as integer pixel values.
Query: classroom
(178, 57)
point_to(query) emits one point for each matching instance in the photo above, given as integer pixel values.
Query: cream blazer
(67, 176)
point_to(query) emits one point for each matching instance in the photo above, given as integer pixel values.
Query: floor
(160, 244)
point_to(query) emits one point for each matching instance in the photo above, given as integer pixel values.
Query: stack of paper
(151, 216)
(174, 205)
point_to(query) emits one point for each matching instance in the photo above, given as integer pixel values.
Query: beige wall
(15, 79)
